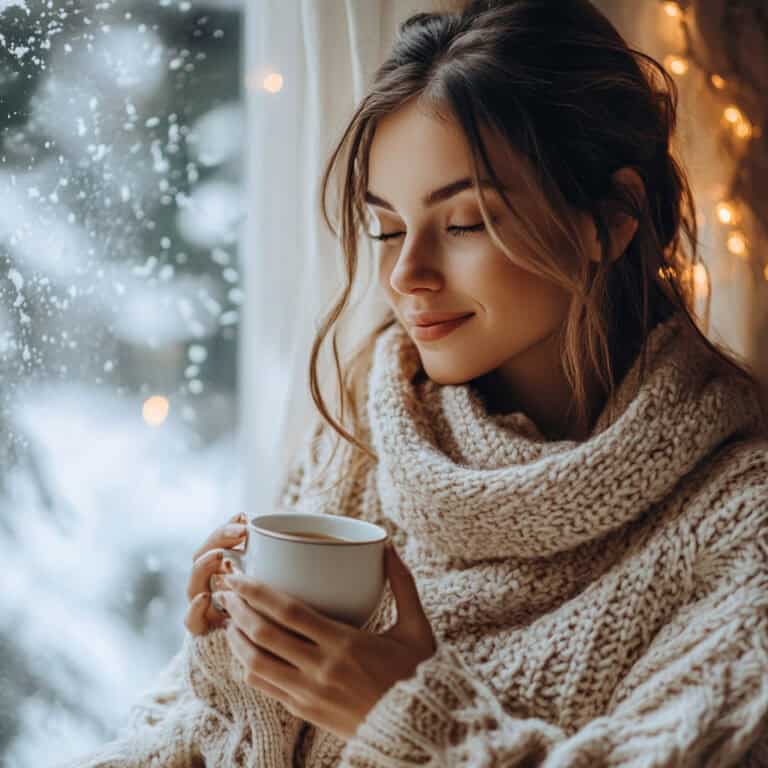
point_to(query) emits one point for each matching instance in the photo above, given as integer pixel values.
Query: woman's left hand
(323, 671)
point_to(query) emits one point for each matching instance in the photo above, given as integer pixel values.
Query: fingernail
(234, 529)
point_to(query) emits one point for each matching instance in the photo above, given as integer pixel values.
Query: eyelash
(455, 231)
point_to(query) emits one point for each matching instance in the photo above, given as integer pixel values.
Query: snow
(119, 305)
(114, 543)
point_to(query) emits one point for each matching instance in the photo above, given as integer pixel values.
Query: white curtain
(326, 52)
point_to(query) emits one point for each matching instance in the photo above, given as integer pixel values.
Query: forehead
(413, 151)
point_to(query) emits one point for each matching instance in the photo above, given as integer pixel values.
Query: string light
(677, 65)
(739, 126)
(725, 213)
(701, 283)
(737, 244)
(744, 130)
(718, 82)
(155, 410)
(273, 83)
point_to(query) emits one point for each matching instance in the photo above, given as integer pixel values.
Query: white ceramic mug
(343, 580)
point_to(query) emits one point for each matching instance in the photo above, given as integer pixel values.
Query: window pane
(120, 157)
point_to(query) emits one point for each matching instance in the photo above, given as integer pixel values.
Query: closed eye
(454, 231)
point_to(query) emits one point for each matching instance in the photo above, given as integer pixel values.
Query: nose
(415, 269)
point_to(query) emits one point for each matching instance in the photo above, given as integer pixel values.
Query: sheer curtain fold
(326, 53)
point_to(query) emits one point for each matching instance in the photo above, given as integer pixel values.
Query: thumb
(410, 614)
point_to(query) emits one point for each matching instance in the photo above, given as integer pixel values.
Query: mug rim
(299, 540)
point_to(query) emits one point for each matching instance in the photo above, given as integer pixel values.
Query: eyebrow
(436, 196)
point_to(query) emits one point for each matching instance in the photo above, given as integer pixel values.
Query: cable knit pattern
(596, 603)
(201, 714)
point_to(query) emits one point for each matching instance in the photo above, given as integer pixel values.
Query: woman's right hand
(202, 616)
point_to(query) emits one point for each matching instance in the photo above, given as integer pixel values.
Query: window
(120, 294)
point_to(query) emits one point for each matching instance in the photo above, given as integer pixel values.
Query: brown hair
(558, 83)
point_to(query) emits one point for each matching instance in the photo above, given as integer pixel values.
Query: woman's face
(431, 266)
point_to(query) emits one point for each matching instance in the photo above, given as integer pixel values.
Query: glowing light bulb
(700, 281)
(737, 244)
(273, 82)
(732, 114)
(725, 213)
(677, 65)
(743, 129)
(718, 82)
(672, 9)
(155, 410)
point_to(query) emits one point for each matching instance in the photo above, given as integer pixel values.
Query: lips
(425, 319)
(436, 331)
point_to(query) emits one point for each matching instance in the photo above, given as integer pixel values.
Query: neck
(534, 383)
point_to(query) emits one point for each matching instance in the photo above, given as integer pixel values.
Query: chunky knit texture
(596, 603)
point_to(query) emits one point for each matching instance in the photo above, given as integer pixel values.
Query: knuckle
(291, 612)
(262, 632)
(329, 671)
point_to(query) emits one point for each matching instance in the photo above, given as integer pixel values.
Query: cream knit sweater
(596, 603)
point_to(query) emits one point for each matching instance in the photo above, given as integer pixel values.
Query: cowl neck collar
(476, 485)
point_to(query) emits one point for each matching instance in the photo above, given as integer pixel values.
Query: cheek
(508, 291)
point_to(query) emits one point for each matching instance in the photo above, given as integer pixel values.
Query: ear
(622, 226)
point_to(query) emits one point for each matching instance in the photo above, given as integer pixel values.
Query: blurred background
(143, 399)
(120, 171)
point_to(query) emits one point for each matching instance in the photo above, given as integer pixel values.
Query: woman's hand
(321, 670)
(202, 616)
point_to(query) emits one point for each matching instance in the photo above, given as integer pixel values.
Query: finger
(270, 636)
(214, 617)
(287, 611)
(263, 664)
(410, 611)
(204, 567)
(225, 536)
(195, 620)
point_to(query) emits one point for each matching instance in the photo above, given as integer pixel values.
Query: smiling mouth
(436, 331)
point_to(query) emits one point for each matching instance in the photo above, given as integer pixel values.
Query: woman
(576, 479)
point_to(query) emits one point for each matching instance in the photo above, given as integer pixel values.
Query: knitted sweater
(601, 602)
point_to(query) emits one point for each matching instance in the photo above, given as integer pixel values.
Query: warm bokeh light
(677, 65)
(733, 114)
(765, 272)
(155, 410)
(700, 281)
(718, 82)
(672, 9)
(725, 213)
(737, 244)
(743, 129)
(273, 82)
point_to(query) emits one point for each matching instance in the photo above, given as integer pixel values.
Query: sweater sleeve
(697, 697)
(200, 714)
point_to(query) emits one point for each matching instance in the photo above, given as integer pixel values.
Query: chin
(447, 374)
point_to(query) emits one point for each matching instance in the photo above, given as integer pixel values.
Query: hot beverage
(311, 535)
